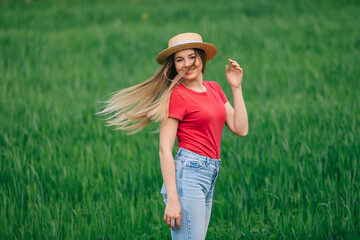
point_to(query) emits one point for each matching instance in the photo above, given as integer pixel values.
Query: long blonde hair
(133, 108)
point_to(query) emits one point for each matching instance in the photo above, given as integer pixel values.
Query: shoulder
(215, 88)
(212, 84)
(177, 92)
(177, 89)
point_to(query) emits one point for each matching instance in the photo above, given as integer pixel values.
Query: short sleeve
(222, 94)
(177, 107)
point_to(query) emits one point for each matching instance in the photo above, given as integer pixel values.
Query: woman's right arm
(168, 131)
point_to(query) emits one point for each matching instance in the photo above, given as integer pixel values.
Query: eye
(178, 60)
(192, 57)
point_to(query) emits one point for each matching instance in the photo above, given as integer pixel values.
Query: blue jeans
(195, 182)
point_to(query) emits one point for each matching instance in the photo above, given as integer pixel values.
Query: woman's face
(186, 58)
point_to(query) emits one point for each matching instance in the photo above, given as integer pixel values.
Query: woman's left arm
(236, 118)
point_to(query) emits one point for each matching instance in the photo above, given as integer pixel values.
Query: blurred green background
(63, 175)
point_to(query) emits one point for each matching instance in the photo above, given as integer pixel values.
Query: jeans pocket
(190, 164)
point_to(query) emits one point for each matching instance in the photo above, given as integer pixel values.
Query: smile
(190, 71)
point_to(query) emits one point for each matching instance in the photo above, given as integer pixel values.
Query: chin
(189, 79)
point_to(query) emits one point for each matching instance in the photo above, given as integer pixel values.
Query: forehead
(184, 53)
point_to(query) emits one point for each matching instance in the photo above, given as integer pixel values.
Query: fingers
(178, 223)
(172, 224)
(235, 65)
(172, 221)
(167, 221)
(227, 69)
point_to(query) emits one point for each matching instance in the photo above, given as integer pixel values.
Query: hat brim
(209, 49)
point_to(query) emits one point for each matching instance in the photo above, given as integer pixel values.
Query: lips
(190, 71)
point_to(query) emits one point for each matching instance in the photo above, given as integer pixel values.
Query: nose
(188, 62)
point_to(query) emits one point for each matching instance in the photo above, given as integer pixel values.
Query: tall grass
(63, 175)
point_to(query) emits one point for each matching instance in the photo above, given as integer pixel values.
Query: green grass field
(64, 175)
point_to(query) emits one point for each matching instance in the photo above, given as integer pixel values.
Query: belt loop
(180, 151)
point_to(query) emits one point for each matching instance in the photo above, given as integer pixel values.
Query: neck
(196, 85)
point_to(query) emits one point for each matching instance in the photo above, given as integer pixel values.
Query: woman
(194, 111)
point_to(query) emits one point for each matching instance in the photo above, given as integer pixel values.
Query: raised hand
(234, 77)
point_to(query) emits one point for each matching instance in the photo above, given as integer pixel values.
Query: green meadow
(65, 175)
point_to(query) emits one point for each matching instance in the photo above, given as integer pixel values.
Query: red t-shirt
(202, 117)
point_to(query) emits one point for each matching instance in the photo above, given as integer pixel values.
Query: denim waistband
(196, 156)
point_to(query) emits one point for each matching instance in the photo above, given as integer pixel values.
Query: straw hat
(186, 41)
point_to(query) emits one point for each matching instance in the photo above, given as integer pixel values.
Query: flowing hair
(132, 109)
